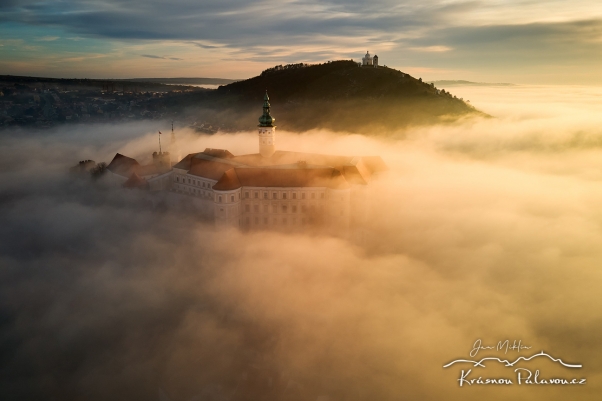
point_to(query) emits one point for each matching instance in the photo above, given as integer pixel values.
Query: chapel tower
(267, 130)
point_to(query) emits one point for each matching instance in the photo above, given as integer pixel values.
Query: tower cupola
(367, 59)
(266, 120)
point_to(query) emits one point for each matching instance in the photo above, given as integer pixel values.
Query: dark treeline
(338, 95)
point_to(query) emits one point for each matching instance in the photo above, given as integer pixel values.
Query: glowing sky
(520, 41)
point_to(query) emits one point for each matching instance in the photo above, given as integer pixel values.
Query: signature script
(501, 346)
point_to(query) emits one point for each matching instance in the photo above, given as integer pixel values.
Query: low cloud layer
(472, 236)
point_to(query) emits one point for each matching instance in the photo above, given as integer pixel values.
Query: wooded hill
(337, 95)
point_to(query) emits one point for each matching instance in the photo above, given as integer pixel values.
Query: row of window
(192, 181)
(232, 197)
(284, 208)
(231, 209)
(193, 191)
(284, 195)
(275, 221)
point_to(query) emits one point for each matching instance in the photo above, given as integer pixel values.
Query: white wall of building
(267, 141)
(282, 208)
(227, 208)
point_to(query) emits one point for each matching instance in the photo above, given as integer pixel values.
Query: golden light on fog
(485, 229)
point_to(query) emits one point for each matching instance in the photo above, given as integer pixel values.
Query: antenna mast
(173, 138)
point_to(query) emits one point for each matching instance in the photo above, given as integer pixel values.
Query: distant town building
(270, 189)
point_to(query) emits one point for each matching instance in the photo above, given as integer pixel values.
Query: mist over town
(336, 203)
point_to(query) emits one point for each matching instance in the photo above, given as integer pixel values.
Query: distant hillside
(185, 81)
(93, 84)
(467, 83)
(337, 95)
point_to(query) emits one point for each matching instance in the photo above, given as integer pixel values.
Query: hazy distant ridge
(184, 81)
(467, 83)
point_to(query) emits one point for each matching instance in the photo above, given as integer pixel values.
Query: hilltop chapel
(269, 189)
(369, 61)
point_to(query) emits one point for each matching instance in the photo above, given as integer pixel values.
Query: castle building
(370, 61)
(270, 189)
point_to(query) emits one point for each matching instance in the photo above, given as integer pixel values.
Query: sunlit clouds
(521, 42)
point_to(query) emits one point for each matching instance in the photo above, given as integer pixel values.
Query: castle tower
(162, 159)
(267, 130)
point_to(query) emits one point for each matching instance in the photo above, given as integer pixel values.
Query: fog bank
(486, 229)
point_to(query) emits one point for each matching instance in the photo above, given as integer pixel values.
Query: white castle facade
(270, 189)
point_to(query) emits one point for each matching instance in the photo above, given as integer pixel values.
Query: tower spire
(266, 120)
(174, 149)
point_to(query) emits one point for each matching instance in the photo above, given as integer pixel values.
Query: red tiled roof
(185, 163)
(221, 153)
(209, 168)
(283, 169)
(284, 157)
(375, 163)
(357, 172)
(338, 181)
(228, 181)
(123, 165)
(135, 182)
(274, 177)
